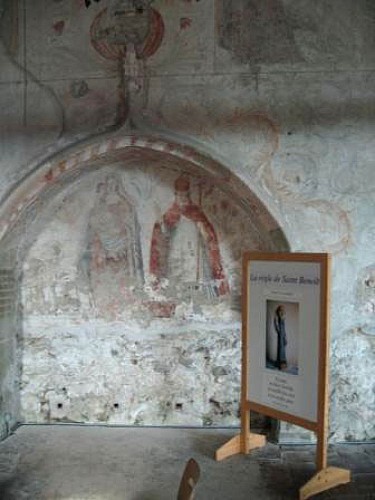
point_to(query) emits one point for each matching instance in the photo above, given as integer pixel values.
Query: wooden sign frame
(326, 477)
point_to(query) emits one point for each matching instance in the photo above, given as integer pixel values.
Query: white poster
(284, 331)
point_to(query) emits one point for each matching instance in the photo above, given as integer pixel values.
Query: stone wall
(279, 94)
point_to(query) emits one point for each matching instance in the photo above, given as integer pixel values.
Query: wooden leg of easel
(324, 480)
(242, 443)
(327, 477)
(234, 446)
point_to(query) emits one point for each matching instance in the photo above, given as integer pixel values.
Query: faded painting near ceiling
(124, 24)
(257, 31)
(127, 33)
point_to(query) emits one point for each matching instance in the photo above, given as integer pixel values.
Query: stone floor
(106, 463)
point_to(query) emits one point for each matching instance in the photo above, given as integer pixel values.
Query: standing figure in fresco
(185, 248)
(279, 324)
(113, 257)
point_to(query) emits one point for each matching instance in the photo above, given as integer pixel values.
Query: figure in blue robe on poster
(279, 324)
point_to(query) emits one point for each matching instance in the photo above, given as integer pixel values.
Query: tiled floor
(102, 463)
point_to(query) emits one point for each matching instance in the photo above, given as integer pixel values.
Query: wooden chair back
(189, 480)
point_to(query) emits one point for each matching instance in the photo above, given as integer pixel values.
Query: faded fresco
(137, 260)
(128, 290)
(112, 260)
(125, 268)
(127, 33)
(185, 251)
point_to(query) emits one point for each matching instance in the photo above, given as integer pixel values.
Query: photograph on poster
(282, 323)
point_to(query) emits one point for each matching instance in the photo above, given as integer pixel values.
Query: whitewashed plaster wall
(280, 95)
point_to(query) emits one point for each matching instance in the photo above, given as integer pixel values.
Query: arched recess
(104, 320)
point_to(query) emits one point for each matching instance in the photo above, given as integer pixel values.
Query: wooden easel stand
(326, 477)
